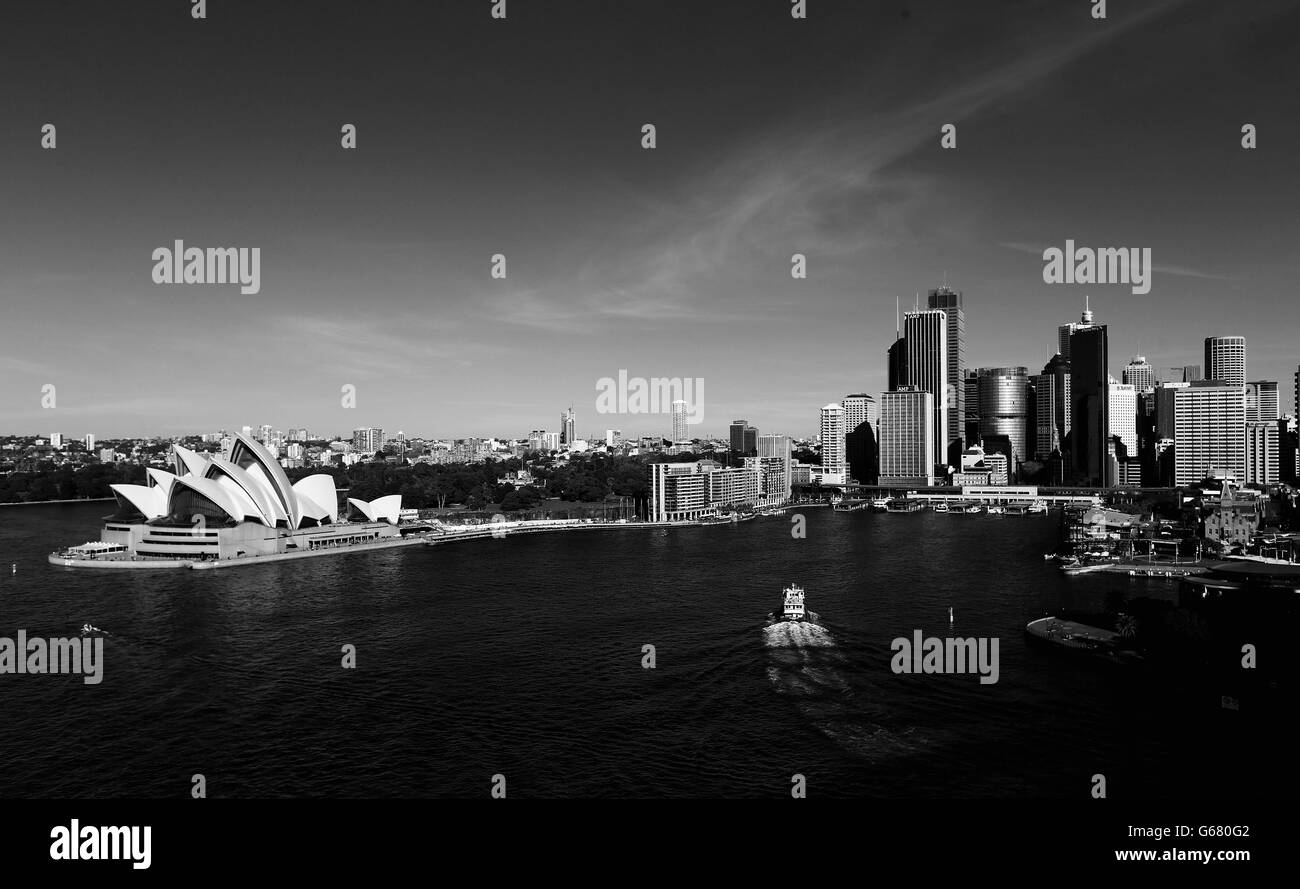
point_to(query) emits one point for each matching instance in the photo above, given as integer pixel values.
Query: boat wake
(805, 665)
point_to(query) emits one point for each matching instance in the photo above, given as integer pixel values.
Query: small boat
(974, 509)
(941, 506)
(997, 510)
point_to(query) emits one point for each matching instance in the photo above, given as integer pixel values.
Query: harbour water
(523, 657)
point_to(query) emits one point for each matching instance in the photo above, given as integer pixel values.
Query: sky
(523, 137)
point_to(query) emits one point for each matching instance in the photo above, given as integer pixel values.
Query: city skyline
(671, 262)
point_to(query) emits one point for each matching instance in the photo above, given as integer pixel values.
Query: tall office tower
(1122, 410)
(679, 422)
(1065, 331)
(1296, 378)
(950, 303)
(861, 428)
(1140, 375)
(1288, 450)
(1187, 373)
(859, 409)
(834, 461)
(1209, 432)
(970, 385)
(738, 428)
(897, 368)
(1059, 369)
(1046, 433)
(751, 441)
(926, 334)
(907, 455)
(264, 433)
(89, 441)
(1262, 402)
(1004, 409)
(1262, 462)
(1225, 359)
(567, 423)
(1089, 405)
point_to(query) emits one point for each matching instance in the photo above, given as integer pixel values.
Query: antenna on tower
(898, 322)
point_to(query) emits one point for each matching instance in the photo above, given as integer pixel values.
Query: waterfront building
(1209, 432)
(950, 303)
(247, 505)
(861, 429)
(907, 441)
(1225, 359)
(777, 447)
(688, 491)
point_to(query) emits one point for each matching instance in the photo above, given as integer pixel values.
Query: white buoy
(950, 614)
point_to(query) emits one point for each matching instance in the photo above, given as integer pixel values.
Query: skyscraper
(1089, 404)
(744, 438)
(970, 385)
(907, 455)
(1004, 409)
(1140, 375)
(1262, 460)
(832, 435)
(738, 435)
(1225, 359)
(1209, 432)
(1262, 402)
(861, 428)
(1046, 438)
(1122, 417)
(89, 441)
(1065, 331)
(950, 303)
(926, 334)
(859, 409)
(777, 447)
(679, 422)
(567, 424)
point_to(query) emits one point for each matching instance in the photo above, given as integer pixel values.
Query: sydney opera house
(215, 509)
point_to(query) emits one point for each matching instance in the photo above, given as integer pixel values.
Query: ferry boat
(880, 504)
(941, 506)
(997, 510)
(793, 608)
